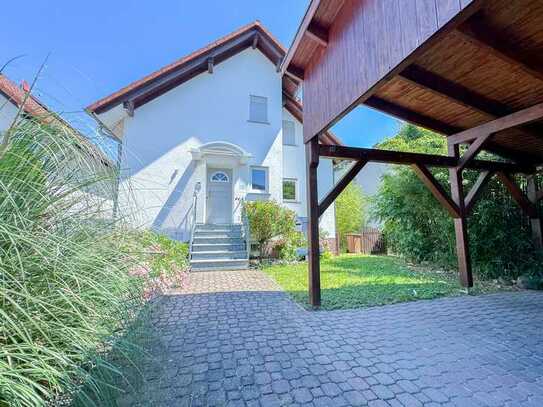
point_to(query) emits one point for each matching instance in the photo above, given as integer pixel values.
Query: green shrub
(268, 220)
(67, 296)
(417, 227)
(286, 248)
(351, 211)
(165, 256)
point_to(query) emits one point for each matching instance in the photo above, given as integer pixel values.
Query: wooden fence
(369, 241)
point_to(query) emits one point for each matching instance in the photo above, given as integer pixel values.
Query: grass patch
(353, 281)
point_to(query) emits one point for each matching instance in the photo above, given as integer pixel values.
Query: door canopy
(222, 150)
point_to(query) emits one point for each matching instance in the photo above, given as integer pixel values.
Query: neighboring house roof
(31, 106)
(17, 95)
(253, 35)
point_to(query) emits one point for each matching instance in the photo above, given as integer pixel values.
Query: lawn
(353, 281)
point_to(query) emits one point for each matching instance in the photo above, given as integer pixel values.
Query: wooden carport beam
(421, 77)
(518, 118)
(410, 116)
(340, 186)
(443, 87)
(477, 32)
(431, 160)
(437, 126)
(317, 33)
(295, 73)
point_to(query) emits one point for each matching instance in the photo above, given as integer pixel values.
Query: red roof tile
(17, 96)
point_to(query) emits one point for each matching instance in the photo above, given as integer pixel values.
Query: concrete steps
(218, 247)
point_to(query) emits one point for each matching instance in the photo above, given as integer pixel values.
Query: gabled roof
(155, 84)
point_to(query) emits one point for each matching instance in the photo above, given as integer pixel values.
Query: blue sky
(97, 47)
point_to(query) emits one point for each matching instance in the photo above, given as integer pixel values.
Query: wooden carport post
(460, 221)
(313, 259)
(535, 222)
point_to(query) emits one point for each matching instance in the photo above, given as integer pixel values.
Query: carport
(468, 69)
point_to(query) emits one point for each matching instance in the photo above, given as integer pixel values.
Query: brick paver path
(234, 338)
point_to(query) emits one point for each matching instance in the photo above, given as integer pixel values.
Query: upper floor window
(259, 179)
(258, 109)
(289, 133)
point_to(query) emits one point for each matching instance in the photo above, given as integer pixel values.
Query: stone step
(212, 264)
(210, 226)
(217, 233)
(217, 240)
(203, 247)
(219, 255)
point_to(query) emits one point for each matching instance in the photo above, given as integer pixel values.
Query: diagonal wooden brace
(473, 150)
(340, 186)
(476, 190)
(518, 195)
(436, 189)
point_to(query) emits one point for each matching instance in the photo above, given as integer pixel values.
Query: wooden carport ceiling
(486, 67)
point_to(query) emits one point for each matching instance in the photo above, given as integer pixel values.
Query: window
(258, 109)
(290, 189)
(289, 133)
(219, 176)
(259, 179)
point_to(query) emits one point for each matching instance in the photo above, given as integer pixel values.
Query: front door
(219, 196)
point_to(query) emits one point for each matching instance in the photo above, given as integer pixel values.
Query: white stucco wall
(294, 166)
(369, 178)
(8, 111)
(158, 168)
(157, 162)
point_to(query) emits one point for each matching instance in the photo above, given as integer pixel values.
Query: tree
(418, 228)
(350, 212)
(269, 220)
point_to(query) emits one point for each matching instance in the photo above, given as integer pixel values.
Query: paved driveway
(233, 338)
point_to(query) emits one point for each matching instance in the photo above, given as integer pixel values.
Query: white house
(220, 121)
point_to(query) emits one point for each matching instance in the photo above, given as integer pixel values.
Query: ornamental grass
(68, 302)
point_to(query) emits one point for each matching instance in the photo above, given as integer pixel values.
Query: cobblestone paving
(235, 339)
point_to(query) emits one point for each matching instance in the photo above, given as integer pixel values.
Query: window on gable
(258, 109)
(289, 133)
(290, 187)
(259, 179)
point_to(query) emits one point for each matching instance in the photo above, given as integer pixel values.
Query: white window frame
(256, 120)
(291, 122)
(295, 190)
(266, 177)
(219, 181)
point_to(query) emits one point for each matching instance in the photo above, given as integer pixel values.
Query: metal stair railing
(245, 229)
(197, 188)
